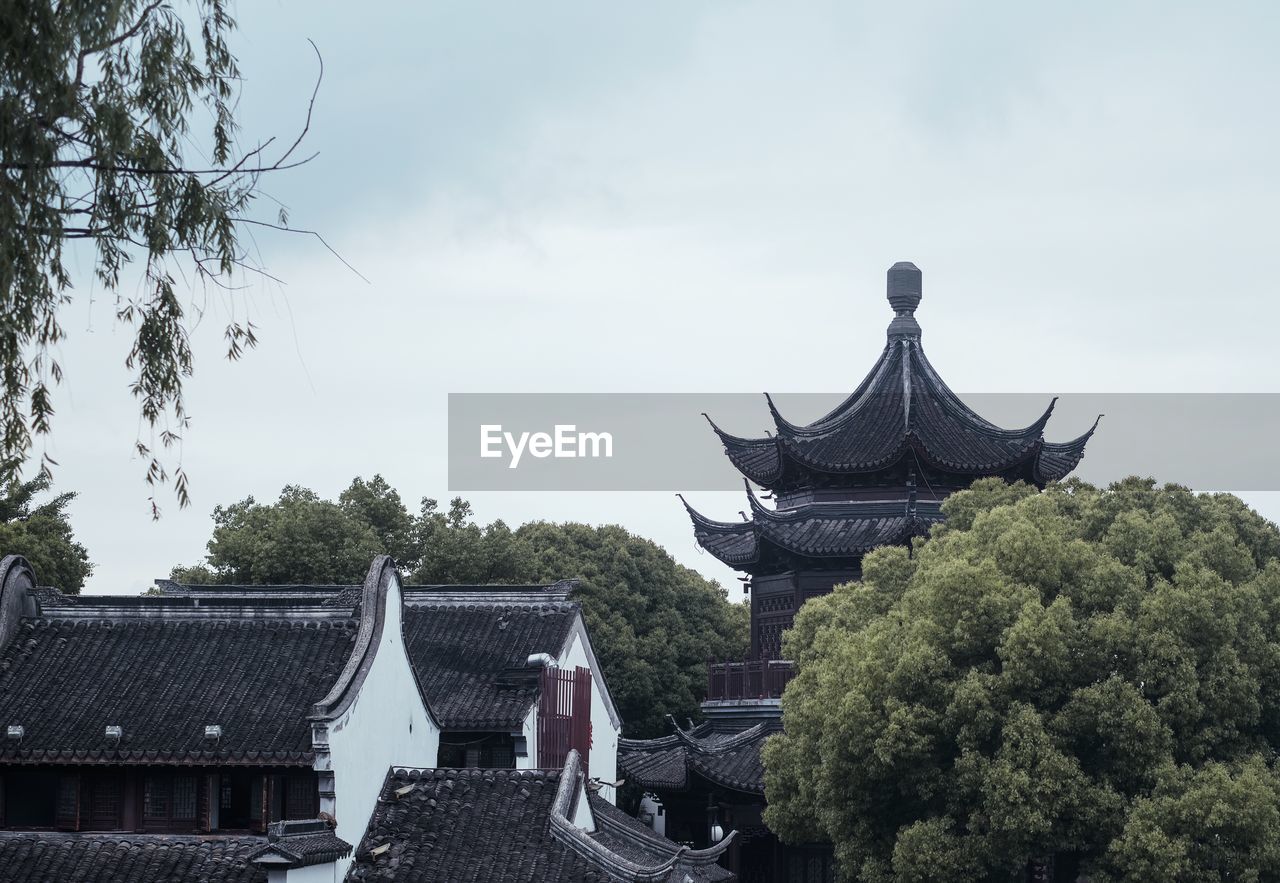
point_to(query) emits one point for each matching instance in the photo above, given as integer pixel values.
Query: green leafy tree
(452, 548)
(653, 622)
(41, 532)
(118, 143)
(377, 504)
(298, 539)
(1083, 675)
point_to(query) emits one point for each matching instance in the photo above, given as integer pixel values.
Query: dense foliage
(653, 622)
(118, 133)
(1084, 674)
(41, 533)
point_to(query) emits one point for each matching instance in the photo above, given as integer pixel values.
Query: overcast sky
(702, 198)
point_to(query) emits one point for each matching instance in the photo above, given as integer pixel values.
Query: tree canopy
(41, 533)
(653, 621)
(1084, 675)
(118, 142)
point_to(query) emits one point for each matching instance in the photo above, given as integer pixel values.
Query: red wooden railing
(564, 716)
(748, 678)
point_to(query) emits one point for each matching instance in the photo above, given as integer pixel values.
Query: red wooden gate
(564, 716)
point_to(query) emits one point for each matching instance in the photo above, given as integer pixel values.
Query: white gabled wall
(386, 725)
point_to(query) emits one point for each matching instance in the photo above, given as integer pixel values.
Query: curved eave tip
(1043, 419)
(730, 440)
(782, 423)
(694, 515)
(1088, 435)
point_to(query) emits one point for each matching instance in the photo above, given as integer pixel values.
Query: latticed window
(775, 603)
(184, 797)
(155, 798)
(105, 801)
(300, 797)
(69, 802)
(770, 637)
(169, 801)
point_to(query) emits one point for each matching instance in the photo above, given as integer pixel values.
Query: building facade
(248, 733)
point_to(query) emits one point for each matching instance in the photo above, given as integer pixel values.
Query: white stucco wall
(387, 725)
(330, 872)
(530, 731)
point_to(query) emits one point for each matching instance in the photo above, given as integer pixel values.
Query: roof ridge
(245, 622)
(617, 866)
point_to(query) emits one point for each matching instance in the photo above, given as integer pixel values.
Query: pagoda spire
(904, 290)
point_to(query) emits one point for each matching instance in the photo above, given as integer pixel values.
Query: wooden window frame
(169, 822)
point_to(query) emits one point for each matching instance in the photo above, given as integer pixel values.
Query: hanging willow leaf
(97, 145)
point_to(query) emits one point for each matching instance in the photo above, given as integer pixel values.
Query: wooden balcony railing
(748, 678)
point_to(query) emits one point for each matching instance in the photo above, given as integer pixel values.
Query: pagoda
(871, 473)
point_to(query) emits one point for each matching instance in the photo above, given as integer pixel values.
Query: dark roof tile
(475, 826)
(64, 681)
(137, 858)
(468, 826)
(730, 759)
(464, 656)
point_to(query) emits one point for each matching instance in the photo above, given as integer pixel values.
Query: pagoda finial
(904, 291)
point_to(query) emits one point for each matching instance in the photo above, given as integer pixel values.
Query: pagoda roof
(813, 530)
(902, 408)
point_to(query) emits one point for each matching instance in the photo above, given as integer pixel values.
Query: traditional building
(149, 720)
(245, 733)
(872, 472)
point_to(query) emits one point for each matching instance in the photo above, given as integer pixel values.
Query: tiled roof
(476, 826)
(902, 408)
(162, 680)
(902, 424)
(730, 759)
(468, 644)
(471, 660)
(817, 530)
(633, 840)
(135, 858)
(456, 826)
(299, 844)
